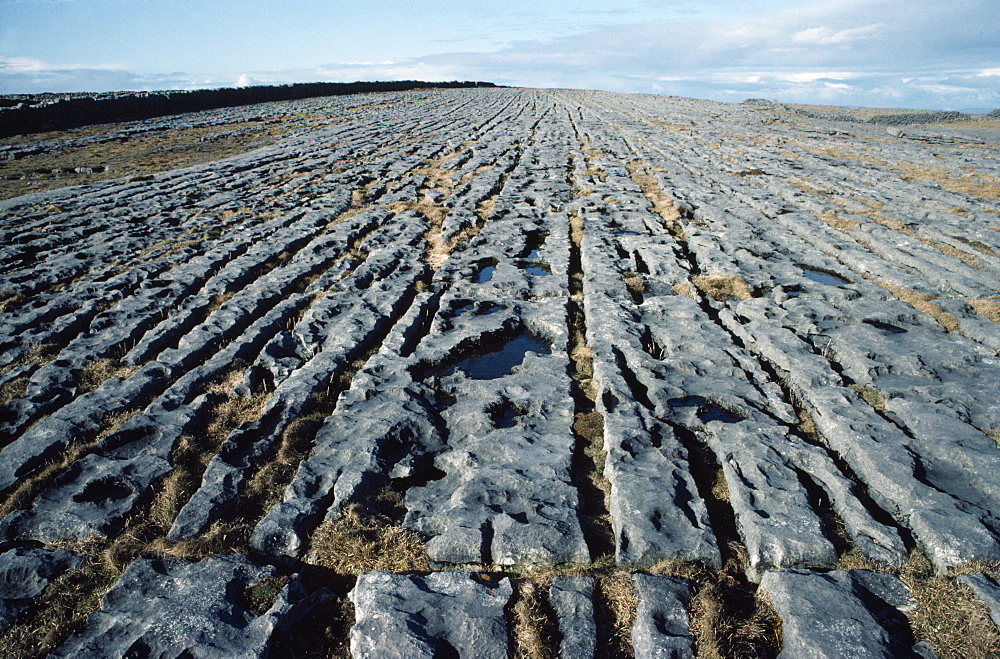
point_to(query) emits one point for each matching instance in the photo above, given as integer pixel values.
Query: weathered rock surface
(173, 608)
(442, 614)
(518, 328)
(24, 575)
(572, 600)
(661, 624)
(843, 613)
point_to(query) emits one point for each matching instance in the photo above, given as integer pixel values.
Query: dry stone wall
(435, 370)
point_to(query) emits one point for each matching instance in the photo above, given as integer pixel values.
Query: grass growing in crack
(635, 285)
(728, 616)
(722, 287)
(11, 301)
(64, 605)
(595, 491)
(683, 288)
(663, 204)
(947, 614)
(193, 452)
(266, 486)
(261, 596)
(978, 245)
(838, 223)
(870, 396)
(923, 302)
(18, 387)
(994, 434)
(31, 485)
(367, 536)
(971, 183)
(615, 595)
(533, 632)
(988, 309)
(15, 388)
(97, 372)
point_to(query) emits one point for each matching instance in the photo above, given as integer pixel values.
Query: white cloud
(812, 76)
(20, 64)
(930, 54)
(827, 36)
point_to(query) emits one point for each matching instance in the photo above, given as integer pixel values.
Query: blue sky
(941, 54)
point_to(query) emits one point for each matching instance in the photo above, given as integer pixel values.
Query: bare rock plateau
(490, 372)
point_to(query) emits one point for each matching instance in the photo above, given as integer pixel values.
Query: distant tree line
(21, 114)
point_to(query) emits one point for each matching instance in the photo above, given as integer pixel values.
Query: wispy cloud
(828, 36)
(903, 53)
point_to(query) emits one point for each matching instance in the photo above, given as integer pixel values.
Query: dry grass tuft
(11, 301)
(728, 616)
(615, 593)
(994, 434)
(722, 288)
(683, 288)
(838, 223)
(97, 372)
(989, 309)
(635, 285)
(366, 537)
(220, 538)
(948, 614)
(970, 183)
(41, 354)
(662, 202)
(720, 632)
(533, 632)
(870, 396)
(978, 245)
(15, 388)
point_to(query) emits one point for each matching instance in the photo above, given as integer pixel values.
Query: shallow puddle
(499, 363)
(535, 270)
(707, 410)
(827, 278)
(485, 274)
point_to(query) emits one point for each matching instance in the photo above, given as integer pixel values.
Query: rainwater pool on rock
(499, 363)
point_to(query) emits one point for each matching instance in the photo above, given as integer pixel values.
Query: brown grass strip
(722, 287)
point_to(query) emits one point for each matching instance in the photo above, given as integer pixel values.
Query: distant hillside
(31, 113)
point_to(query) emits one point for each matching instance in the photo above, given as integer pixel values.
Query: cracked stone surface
(840, 613)
(161, 608)
(777, 327)
(661, 625)
(442, 614)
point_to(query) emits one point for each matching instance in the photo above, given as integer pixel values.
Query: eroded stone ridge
(468, 354)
